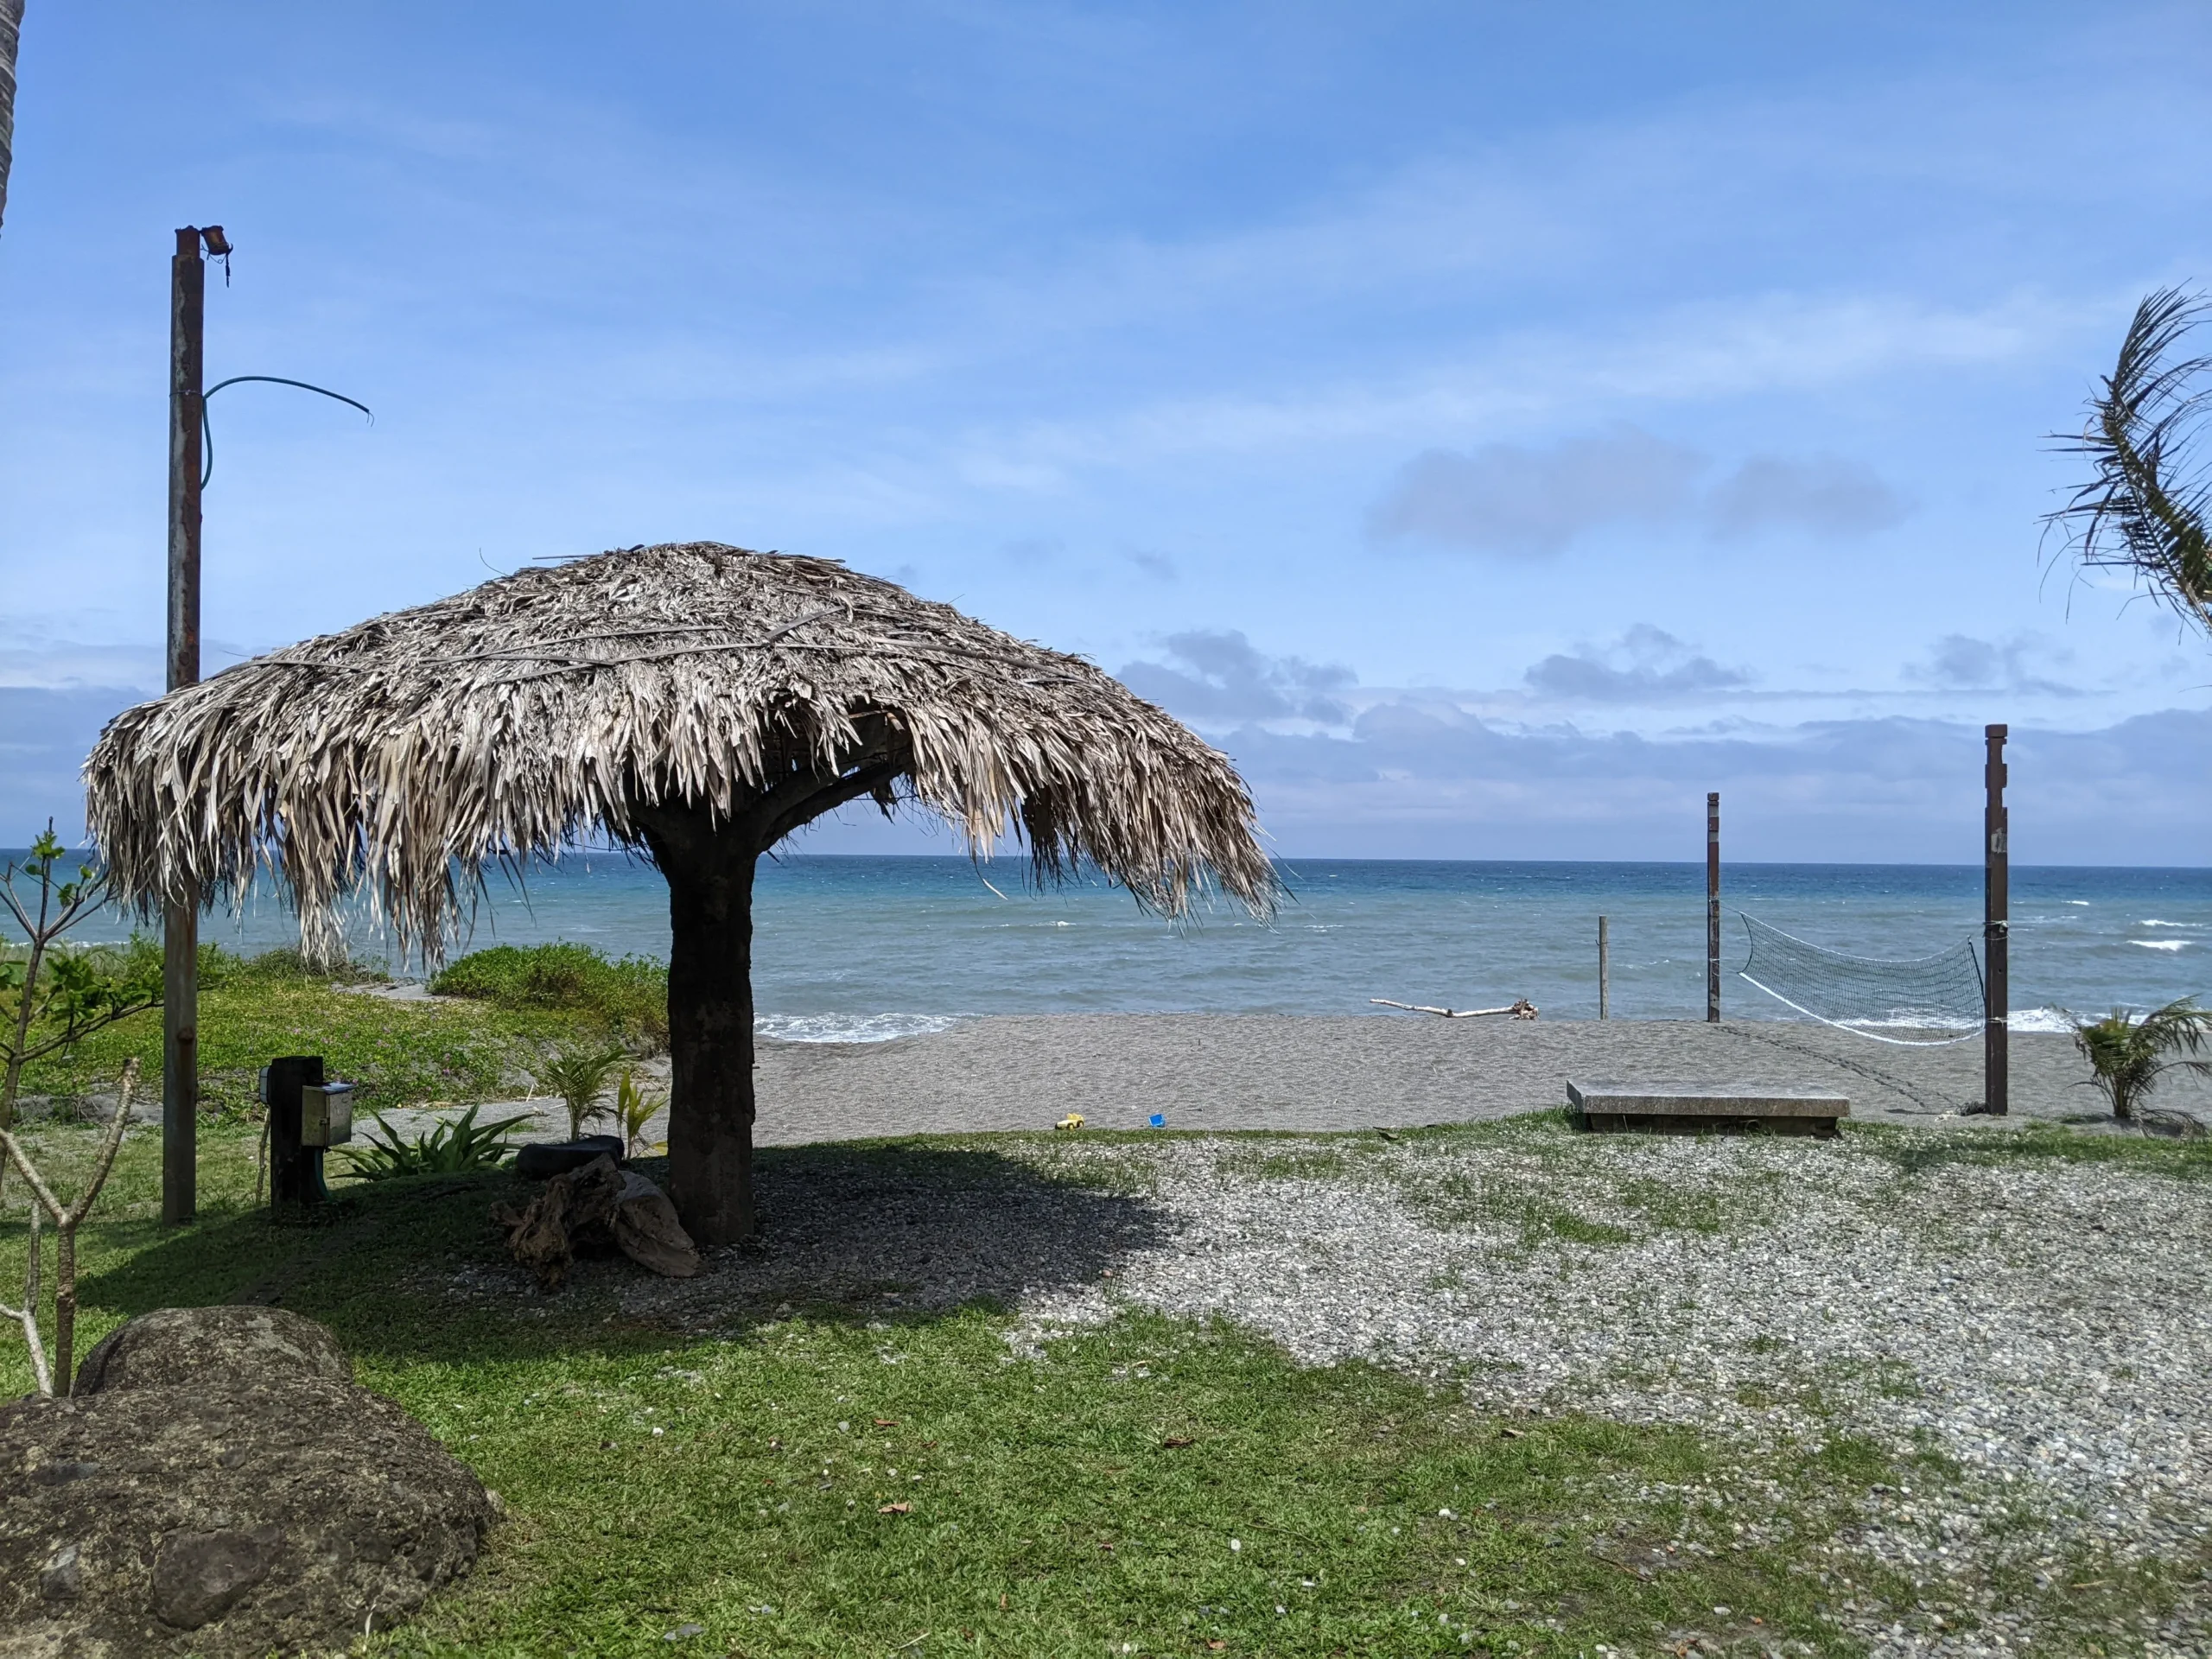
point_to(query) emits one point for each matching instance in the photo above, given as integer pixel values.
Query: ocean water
(848, 948)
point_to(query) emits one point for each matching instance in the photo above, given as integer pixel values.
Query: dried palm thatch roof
(405, 754)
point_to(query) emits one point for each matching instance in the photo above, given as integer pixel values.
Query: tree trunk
(707, 858)
(11, 28)
(709, 872)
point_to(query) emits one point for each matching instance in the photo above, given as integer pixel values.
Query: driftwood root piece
(647, 1231)
(592, 1211)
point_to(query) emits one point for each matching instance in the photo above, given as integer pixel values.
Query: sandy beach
(1317, 1073)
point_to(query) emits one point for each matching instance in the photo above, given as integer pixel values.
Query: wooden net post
(1996, 931)
(1712, 907)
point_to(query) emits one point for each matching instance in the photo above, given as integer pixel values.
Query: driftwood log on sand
(1521, 1009)
(595, 1211)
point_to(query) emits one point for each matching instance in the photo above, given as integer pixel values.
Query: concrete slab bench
(1705, 1107)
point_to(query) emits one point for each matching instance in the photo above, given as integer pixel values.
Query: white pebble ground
(2042, 1323)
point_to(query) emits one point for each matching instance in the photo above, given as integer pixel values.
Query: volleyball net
(1917, 1003)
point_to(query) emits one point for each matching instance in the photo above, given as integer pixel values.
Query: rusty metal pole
(1712, 907)
(1996, 931)
(180, 916)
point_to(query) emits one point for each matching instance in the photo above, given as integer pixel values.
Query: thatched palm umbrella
(697, 700)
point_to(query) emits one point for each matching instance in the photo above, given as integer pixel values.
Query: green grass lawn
(402, 1053)
(1150, 1487)
(828, 1478)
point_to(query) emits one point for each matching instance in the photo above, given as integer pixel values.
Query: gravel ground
(2043, 1323)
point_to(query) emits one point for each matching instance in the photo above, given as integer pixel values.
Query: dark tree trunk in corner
(709, 872)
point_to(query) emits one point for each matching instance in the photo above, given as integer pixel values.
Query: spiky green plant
(2146, 508)
(2128, 1055)
(455, 1148)
(577, 1075)
(634, 1109)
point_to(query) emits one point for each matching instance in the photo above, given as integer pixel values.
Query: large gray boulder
(212, 1347)
(221, 1486)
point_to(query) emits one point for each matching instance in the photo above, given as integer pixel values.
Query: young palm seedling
(2128, 1055)
(634, 1109)
(577, 1076)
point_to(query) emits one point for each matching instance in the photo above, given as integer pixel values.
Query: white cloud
(1417, 777)
(1215, 676)
(1489, 389)
(1504, 498)
(1645, 665)
(1824, 494)
(1520, 500)
(63, 664)
(1959, 661)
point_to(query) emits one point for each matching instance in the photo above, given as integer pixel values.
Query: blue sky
(1493, 424)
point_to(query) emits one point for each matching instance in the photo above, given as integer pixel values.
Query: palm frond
(2145, 508)
(2127, 1055)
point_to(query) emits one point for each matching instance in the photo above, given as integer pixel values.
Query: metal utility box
(325, 1114)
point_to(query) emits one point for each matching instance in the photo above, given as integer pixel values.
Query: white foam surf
(848, 1027)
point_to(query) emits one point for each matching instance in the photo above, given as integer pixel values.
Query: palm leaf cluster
(2145, 506)
(2128, 1055)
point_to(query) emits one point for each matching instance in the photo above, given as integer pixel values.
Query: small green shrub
(628, 996)
(460, 1147)
(282, 966)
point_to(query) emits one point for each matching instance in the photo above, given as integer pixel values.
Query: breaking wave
(848, 1027)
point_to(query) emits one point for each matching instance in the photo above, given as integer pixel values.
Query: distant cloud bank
(1354, 771)
(1961, 661)
(1421, 778)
